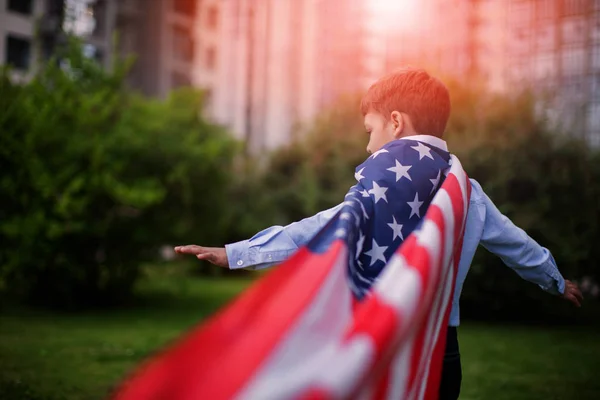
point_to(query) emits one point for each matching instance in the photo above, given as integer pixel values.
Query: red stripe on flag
(452, 186)
(435, 374)
(383, 386)
(206, 363)
(376, 319)
(315, 394)
(420, 258)
(379, 321)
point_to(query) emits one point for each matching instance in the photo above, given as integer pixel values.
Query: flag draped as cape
(299, 333)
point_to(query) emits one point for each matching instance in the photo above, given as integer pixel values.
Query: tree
(95, 179)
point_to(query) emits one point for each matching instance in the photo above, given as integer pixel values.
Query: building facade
(550, 46)
(554, 45)
(282, 61)
(162, 35)
(17, 35)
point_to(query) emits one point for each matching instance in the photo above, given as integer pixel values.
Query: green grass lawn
(48, 356)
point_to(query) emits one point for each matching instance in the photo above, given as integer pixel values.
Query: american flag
(331, 322)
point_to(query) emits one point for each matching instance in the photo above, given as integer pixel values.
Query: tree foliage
(94, 179)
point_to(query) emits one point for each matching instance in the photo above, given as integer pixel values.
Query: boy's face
(380, 130)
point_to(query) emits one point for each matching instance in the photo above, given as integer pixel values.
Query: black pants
(451, 368)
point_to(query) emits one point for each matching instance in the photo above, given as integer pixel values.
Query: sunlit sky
(79, 18)
(389, 15)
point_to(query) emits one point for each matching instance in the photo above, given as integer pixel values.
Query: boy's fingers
(205, 256)
(189, 249)
(573, 289)
(577, 294)
(571, 297)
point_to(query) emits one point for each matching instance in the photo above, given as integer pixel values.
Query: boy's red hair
(413, 91)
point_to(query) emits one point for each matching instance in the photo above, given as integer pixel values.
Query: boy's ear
(398, 123)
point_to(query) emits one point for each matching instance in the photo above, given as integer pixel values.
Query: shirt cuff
(242, 255)
(556, 285)
(237, 254)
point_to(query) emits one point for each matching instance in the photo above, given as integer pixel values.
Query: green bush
(94, 179)
(548, 184)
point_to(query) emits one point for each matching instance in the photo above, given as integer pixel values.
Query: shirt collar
(431, 140)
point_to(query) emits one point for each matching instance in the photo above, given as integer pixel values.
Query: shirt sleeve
(277, 243)
(520, 252)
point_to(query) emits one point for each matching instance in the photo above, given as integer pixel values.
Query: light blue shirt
(486, 225)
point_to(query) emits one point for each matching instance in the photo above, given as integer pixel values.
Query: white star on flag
(423, 150)
(358, 175)
(341, 233)
(401, 171)
(414, 206)
(376, 253)
(397, 228)
(378, 152)
(435, 181)
(346, 216)
(378, 192)
(364, 193)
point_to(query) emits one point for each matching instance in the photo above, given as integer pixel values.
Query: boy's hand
(572, 293)
(214, 255)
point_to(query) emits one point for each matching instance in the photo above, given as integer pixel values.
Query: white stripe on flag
(400, 368)
(443, 201)
(311, 340)
(434, 330)
(347, 366)
(400, 287)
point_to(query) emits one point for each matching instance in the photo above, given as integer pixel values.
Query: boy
(410, 105)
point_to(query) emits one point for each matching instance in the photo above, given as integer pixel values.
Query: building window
(596, 58)
(594, 139)
(593, 117)
(523, 41)
(521, 70)
(212, 18)
(573, 7)
(594, 81)
(546, 37)
(185, 7)
(183, 45)
(545, 9)
(211, 58)
(573, 61)
(574, 29)
(545, 66)
(596, 30)
(20, 6)
(521, 14)
(18, 52)
(574, 91)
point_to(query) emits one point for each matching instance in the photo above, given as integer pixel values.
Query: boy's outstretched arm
(267, 248)
(523, 254)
